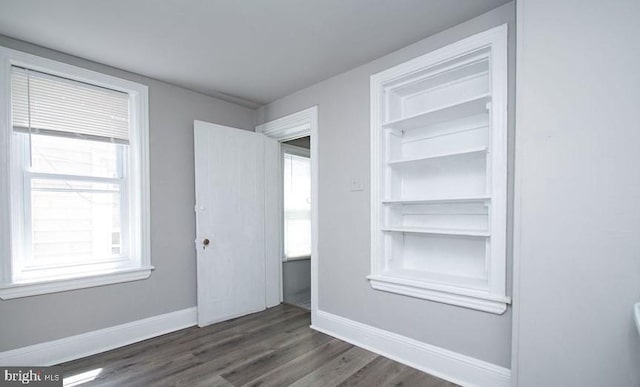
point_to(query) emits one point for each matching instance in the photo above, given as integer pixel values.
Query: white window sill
(441, 293)
(17, 290)
(301, 258)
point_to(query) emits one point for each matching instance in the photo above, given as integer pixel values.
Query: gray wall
(172, 286)
(296, 281)
(302, 142)
(578, 186)
(343, 106)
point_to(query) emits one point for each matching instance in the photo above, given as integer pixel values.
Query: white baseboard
(440, 362)
(90, 343)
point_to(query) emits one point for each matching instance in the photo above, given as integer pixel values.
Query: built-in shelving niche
(439, 174)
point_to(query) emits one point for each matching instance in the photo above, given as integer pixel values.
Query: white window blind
(51, 105)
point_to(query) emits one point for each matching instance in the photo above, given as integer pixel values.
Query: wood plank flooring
(271, 348)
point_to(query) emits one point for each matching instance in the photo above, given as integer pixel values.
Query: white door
(231, 190)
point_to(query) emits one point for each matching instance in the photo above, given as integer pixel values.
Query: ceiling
(251, 52)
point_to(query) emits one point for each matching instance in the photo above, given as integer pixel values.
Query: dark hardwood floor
(271, 348)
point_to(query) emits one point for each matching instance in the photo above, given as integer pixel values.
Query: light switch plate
(356, 184)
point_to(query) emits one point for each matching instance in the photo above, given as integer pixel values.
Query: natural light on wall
(297, 206)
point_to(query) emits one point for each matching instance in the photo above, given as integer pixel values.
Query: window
(74, 178)
(297, 202)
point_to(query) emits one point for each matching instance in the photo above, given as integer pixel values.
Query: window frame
(296, 151)
(21, 193)
(138, 179)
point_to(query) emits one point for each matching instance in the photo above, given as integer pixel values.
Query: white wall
(171, 287)
(577, 192)
(344, 239)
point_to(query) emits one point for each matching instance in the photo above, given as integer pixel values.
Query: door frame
(300, 124)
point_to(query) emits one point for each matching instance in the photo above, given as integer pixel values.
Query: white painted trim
(467, 298)
(296, 125)
(460, 47)
(17, 290)
(138, 177)
(90, 343)
(452, 366)
(290, 127)
(519, 177)
(5, 170)
(53, 67)
(493, 299)
(273, 196)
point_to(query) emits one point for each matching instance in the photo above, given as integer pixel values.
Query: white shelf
(463, 108)
(438, 231)
(464, 152)
(439, 175)
(449, 294)
(467, 199)
(438, 278)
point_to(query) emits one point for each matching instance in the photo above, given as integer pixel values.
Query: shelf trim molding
(464, 152)
(438, 200)
(452, 232)
(447, 294)
(494, 40)
(407, 121)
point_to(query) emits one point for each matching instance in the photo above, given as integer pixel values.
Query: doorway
(296, 216)
(300, 130)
